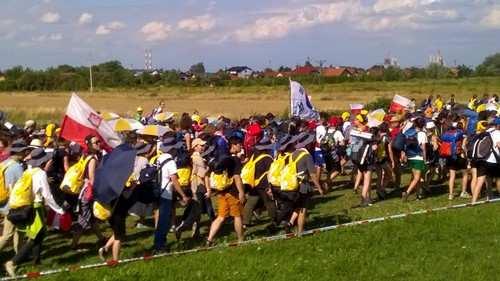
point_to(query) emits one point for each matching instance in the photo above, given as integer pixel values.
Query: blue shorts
(319, 158)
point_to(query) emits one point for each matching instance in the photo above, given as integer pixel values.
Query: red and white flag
(81, 120)
(399, 104)
(356, 108)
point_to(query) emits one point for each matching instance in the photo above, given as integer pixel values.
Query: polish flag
(356, 108)
(81, 120)
(399, 104)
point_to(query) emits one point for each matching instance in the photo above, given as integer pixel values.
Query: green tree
(464, 71)
(490, 66)
(393, 74)
(198, 69)
(437, 71)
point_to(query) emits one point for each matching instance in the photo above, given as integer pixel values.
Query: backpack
(149, 188)
(399, 142)
(248, 171)
(101, 211)
(220, 181)
(4, 189)
(73, 179)
(412, 148)
(274, 172)
(254, 132)
(450, 145)
(480, 147)
(184, 175)
(22, 192)
(381, 152)
(289, 179)
(363, 155)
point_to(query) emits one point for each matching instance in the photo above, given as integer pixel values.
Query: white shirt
(338, 137)
(41, 191)
(169, 169)
(422, 140)
(495, 136)
(320, 133)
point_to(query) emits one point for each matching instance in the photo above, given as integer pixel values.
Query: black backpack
(149, 189)
(480, 147)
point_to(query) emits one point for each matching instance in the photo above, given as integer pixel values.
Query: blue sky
(256, 33)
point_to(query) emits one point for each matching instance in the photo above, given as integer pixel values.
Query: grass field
(238, 101)
(416, 247)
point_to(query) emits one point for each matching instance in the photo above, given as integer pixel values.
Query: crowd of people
(225, 168)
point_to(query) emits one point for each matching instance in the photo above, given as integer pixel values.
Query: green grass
(458, 244)
(352, 253)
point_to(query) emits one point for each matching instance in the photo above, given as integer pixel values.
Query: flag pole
(290, 97)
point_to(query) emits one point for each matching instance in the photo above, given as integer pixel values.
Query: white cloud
(50, 17)
(391, 5)
(85, 18)
(105, 29)
(492, 19)
(280, 25)
(156, 31)
(200, 23)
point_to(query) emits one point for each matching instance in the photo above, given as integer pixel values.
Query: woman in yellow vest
(32, 191)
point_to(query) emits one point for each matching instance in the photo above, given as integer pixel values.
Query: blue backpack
(412, 148)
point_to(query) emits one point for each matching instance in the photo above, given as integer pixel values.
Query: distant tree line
(112, 74)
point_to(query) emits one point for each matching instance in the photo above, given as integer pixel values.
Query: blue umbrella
(113, 173)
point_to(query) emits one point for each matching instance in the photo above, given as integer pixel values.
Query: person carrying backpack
(11, 171)
(227, 186)
(27, 203)
(415, 152)
(489, 166)
(451, 149)
(86, 220)
(296, 179)
(257, 186)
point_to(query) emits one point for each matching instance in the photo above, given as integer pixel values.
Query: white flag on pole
(301, 105)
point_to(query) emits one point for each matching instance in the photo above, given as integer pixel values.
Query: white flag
(300, 104)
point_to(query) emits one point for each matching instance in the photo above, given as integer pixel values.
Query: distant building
(376, 70)
(436, 59)
(240, 72)
(336, 72)
(305, 70)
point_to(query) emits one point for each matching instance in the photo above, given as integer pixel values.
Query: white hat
(430, 125)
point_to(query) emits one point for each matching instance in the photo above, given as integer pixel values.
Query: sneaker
(195, 233)
(465, 195)
(209, 243)
(404, 196)
(102, 253)
(141, 226)
(10, 267)
(172, 229)
(381, 195)
(450, 197)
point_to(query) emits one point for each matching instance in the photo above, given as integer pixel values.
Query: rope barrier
(73, 268)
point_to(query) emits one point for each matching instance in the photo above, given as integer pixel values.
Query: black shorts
(302, 201)
(366, 167)
(456, 164)
(488, 169)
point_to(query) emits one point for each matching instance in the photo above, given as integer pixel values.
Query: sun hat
(334, 121)
(38, 157)
(169, 144)
(35, 143)
(346, 115)
(142, 147)
(18, 146)
(303, 140)
(29, 124)
(264, 144)
(197, 141)
(430, 125)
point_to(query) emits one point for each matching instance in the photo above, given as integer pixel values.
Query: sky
(258, 33)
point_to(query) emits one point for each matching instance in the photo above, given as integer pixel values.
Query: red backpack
(252, 136)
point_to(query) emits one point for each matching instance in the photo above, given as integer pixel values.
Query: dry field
(238, 101)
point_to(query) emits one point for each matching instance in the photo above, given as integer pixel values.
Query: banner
(399, 104)
(300, 103)
(81, 120)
